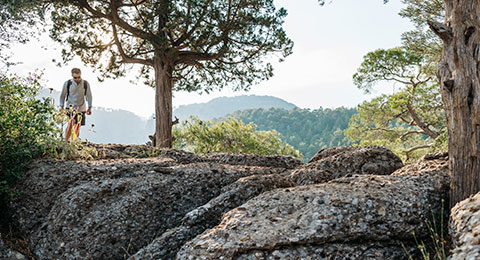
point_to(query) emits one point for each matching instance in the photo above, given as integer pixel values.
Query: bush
(26, 125)
(231, 136)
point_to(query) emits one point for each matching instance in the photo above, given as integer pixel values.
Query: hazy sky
(330, 42)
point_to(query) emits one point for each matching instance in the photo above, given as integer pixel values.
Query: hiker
(75, 91)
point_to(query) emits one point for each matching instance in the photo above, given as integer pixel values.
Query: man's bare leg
(76, 129)
(68, 131)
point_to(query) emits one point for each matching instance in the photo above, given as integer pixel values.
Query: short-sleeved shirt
(76, 96)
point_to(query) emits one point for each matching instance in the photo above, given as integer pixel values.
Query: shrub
(26, 125)
(231, 136)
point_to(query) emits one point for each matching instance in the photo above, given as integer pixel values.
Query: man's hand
(89, 111)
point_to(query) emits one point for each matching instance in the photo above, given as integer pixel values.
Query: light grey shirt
(76, 96)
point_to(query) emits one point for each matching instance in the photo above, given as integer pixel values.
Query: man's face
(77, 77)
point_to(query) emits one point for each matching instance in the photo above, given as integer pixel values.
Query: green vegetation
(306, 130)
(30, 127)
(411, 121)
(26, 126)
(231, 136)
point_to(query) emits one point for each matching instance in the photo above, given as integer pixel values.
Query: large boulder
(345, 161)
(110, 208)
(117, 151)
(209, 214)
(369, 215)
(112, 218)
(46, 180)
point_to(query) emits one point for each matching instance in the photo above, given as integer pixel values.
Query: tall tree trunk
(163, 103)
(459, 77)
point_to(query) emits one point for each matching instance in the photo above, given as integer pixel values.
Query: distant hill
(307, 130)
(220, 107)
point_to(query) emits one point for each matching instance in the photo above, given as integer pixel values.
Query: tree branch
(189, 33)
(425, 128)
(410, 133)
(125, 57)
(407, 152)
(132, 3)
(114, 18)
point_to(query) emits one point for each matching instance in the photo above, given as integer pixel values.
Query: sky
(330, 42)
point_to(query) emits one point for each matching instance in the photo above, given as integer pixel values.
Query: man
(75, 91)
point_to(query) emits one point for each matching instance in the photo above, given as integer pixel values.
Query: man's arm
(62, 95)
(89, 98)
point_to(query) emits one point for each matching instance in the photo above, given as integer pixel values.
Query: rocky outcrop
(345, 161)
(465, 229)
(247, 206)
(110, 208)
(355, 211)
(111, 218)
(207, 216)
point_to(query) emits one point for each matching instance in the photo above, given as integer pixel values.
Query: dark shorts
(77, 116)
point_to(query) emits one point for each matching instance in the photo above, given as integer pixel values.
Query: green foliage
(395, 64)
(26, 126)
(231, 136)
(411, 121)
(422, 41)
(209, 44)
(386, 121)
(307, 130)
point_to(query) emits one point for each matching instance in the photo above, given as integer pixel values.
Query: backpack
(85, 85)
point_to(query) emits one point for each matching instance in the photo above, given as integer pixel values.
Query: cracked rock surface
(232, 196)
(369, 208)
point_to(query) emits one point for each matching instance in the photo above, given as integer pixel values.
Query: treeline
(306, 130)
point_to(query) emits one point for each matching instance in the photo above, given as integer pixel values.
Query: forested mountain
(219, 107)
(306, 130)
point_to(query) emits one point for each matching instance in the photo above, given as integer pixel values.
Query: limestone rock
(114, 217)
(465, 229)
(336, 162)
(246, 206)
(209, 215)
(47, 179)
(433, 166)
(367, 208)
